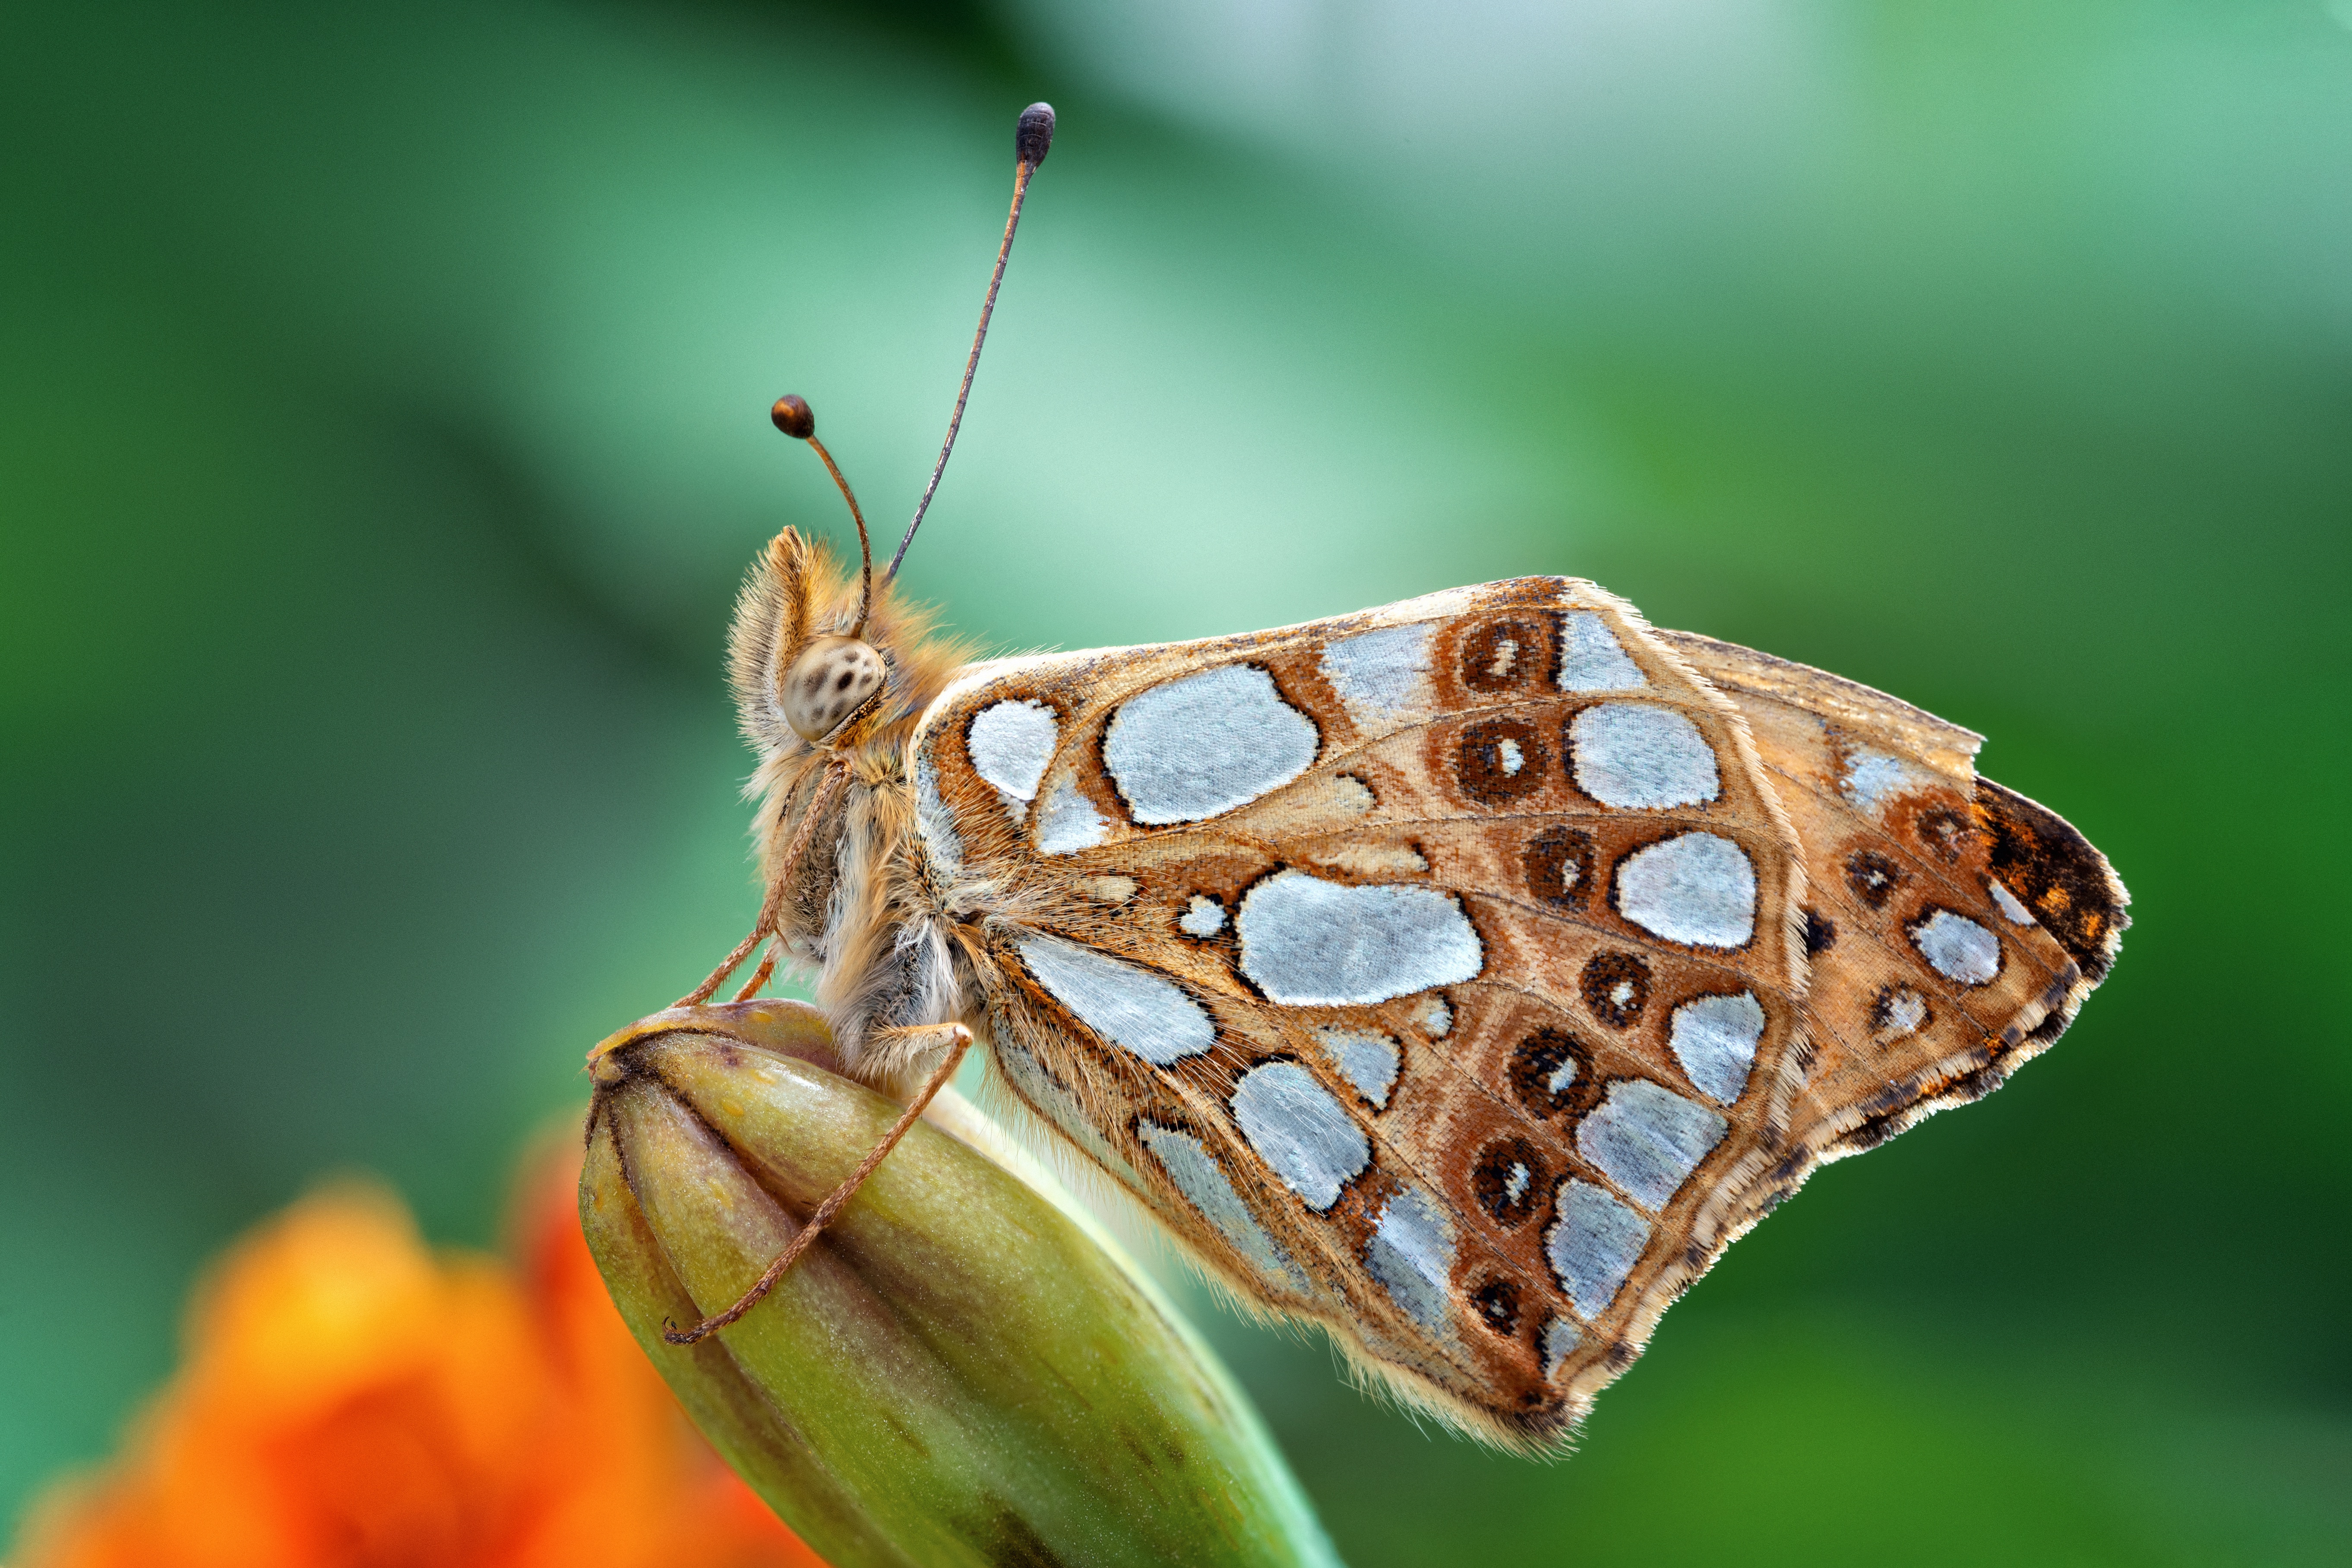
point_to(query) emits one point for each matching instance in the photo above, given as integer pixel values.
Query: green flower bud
(962, 1370)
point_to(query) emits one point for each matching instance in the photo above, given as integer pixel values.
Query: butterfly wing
(1434, 972)
(1933, 974)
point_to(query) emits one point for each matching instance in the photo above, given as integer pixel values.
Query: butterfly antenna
(1031, 138)
(795, 418)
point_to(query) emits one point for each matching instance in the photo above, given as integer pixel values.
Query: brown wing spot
(1505, 654)
(1558, 866)
(1948, 835)
(1511, 1183)
(1551, 1073)
(1873, 876)
(1616, 987)
(1821, 934)
(1497, 1302)
(1501, 760)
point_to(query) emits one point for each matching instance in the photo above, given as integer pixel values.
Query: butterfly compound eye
(833, 677)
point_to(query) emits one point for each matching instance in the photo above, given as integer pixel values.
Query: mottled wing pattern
(1435, 972)
(1954, 925)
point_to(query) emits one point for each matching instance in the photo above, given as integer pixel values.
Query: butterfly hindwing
(1435, 972)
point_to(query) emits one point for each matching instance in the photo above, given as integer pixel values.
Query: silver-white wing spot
(1193, 747)
(1593, 659)
(1517, 1182)
(1648, 1140)
(1204, 917)
(1364, 1058)
(1561, 1077)
(1957, 948)
(1310, 943)
(1067, 822)
(1411, 1255)
(1696, 888)
(1874, 778)
(1207, 1188)
(1382, 677)
(1636, 754)
(1010, 743)
(1129, 1006)
(1593, 1245)
(1715, 1038)
(2011, 910)
(1560, 1341)
(1302, 1134)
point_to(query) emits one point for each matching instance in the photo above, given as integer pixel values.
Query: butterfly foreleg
(760, 976)
(836, 773)
(957, 1039)
(728, 965)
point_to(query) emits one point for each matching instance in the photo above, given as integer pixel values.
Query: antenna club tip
(1033, 136)
(794, 417)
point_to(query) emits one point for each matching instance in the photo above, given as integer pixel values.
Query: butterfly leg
(760, 976)
(718, 977)
(959, 1041)
(836, 773)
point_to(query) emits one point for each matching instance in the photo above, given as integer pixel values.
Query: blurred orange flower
(351, 1400)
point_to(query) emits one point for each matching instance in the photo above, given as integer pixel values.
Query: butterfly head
(818, 667)
(812, 656)
(826, 686)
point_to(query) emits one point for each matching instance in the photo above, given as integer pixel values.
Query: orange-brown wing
(1933, 975)
(1433, 973)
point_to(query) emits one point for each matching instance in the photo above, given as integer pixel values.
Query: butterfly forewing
(1932, 973)
(1435, 972)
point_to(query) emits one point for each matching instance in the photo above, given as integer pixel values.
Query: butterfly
(1461, 975)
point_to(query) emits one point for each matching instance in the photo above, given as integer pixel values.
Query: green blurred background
(384, 434)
